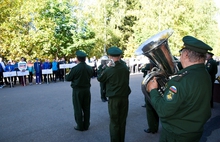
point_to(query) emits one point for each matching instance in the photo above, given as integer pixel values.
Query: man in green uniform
(152, 117)
(101, 68)
(212, 68)
(122, 56)
(117, 90)
(80, 77)
(184, 107)
(145, 70)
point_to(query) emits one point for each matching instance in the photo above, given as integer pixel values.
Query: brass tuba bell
(157, 50)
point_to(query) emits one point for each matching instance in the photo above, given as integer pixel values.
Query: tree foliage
(188, 17)
(57, 28)
(71, 32)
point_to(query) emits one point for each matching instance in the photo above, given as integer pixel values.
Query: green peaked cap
(195, 44)
(114, 51)
(80, 54)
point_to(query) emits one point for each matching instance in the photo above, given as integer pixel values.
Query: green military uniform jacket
(101, 68)
(211, 67)
(80, 76)
(145, 69)
(114, 77)
(185, 106)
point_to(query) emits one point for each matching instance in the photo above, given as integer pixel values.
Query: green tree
(188, 17)
(71, 32)
(20, 37)
(57, 28)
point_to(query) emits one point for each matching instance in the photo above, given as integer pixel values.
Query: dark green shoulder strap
(180, 76)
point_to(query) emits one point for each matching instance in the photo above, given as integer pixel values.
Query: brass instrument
(157, 50)
(106, 61)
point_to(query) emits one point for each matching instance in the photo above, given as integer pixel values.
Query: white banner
(47, 71)
(22, 73)
(91, 64)
(72, 65)
(8, 74)
(64, 66)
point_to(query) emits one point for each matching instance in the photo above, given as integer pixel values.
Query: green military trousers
(103, 90)
(118, 111)
(81, 99)
(152, 117)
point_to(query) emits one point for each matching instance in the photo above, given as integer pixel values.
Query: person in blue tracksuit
(8, 68)
(38, 71)
(46, 65)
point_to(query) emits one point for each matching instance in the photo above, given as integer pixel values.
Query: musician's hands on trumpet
(152, 84)
(111, 63)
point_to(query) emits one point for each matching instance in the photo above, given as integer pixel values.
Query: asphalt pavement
(44, 113)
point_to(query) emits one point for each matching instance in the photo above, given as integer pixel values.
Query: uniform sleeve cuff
(153, 92)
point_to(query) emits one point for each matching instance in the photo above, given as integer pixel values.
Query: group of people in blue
(33, 69)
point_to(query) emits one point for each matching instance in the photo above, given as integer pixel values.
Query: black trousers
(54, 76)
(22, 80)
(1, 79)
(30, 77)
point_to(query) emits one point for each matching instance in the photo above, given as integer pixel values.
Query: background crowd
(34, 71)
(35, 68)
(135, 64)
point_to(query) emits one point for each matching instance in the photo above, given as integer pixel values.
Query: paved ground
(43, 113)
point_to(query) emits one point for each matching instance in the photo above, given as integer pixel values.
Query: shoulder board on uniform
(179, 76)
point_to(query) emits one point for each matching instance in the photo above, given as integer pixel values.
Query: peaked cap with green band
(195, 44)
(80, 54)
(114, 51)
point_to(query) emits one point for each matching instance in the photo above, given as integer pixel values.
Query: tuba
(157, 50)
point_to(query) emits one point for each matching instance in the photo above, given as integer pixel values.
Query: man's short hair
(195, 56)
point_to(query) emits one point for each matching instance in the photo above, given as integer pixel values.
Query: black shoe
(76, 128)
(149, 131)
(144, 105)
(85, 129)
(104, 100)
